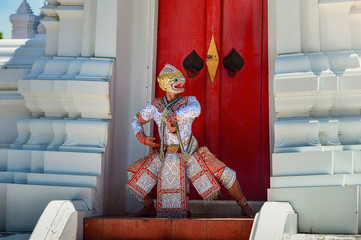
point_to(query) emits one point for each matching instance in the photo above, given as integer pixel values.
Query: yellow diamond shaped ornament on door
(212, 60)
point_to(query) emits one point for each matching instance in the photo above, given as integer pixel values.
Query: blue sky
(8, 7)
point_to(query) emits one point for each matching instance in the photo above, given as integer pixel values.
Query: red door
(234, 119)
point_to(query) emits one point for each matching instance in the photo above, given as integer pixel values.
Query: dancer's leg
(236, 192)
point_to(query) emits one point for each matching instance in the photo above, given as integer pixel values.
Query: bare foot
(247, 211)
(146, 212)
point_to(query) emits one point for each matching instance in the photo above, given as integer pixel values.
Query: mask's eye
(176, 79)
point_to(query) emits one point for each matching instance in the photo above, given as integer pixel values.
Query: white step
(25, 161)
(19, 161)
(333, 210)
(323, 237)
(309, 181)
(73, 163)
(22, 213)
(303, 163)
(316, 163)
(61, 180)
(316, 180)
(6, 177)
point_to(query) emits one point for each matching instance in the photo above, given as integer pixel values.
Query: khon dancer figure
(179, 156)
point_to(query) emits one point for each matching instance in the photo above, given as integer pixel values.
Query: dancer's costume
(175, 162)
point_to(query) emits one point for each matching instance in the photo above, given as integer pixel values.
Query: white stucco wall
(132, 88)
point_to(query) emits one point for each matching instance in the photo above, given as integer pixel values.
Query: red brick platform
(107, 228)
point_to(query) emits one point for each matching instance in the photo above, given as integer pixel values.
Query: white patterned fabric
(185, 115)
(228, 177)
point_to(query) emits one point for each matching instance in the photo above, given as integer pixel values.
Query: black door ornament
(233, 62)
(193, 63)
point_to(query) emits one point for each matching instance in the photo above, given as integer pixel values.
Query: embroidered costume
(179, 157)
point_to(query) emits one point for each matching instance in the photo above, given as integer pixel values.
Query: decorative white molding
(350, 131)
(296, 133)
(310, 26)
(355, 17)
(68, 87)
(80, 139)
(59, 135)
(12, 108)
(61, 220)
(328, 132)
(89, 28)
(74, 68)
(288, 31)
(54, 69)
(106, 28)
(52, 35)
(71, 2)
(324, 89)
(335, 24)
(36, 69)
(70, 30)
(41, 134)
(96, 69)
(49, 9)
(283, 218)
(23, 133)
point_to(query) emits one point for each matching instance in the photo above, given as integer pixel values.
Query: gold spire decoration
(212, 60)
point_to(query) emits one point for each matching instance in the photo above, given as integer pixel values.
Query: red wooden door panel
(234, 119)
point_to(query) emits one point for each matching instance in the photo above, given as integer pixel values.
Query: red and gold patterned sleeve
(141, 137)
(141, 118)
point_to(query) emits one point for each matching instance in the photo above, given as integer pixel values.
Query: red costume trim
(219, 173)
(159, 104)
(206, 172)
(242, 202)
(140, 119)
(143, 170)
(141, 137)
(147, 202)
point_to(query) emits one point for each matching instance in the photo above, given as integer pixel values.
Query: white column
(52, 36)
(356, 26)
(288, 21)
(131, 88)
(335, 24)
(106, 25)
(51, 23)
(310, 26)
(70, 30)
(89, 28)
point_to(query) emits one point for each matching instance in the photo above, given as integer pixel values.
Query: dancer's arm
(141, 118)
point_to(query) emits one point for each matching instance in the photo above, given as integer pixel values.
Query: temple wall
(315, 76)
(57, 149)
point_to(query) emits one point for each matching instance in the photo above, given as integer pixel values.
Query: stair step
(324, 237)
(124, 227)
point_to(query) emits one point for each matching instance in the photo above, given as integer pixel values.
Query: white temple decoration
(317, 93)
(59, 145)
(24, 22)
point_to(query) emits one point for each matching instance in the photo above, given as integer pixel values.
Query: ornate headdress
(167, 73)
